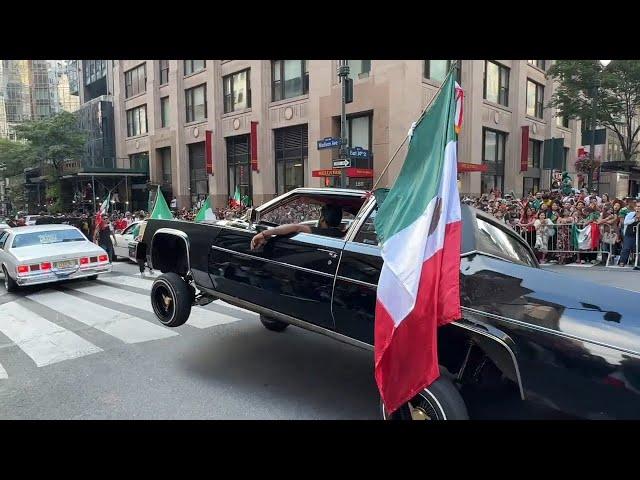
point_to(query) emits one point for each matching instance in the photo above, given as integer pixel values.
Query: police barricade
(571, 242)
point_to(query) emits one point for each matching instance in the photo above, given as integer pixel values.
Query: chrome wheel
(423, 406)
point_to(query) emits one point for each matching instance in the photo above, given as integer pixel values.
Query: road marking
(3, 373)
(125, 327)
(138, 282)
(44, 341)
(199, 318)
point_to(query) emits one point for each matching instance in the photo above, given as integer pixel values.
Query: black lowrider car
(570, 345)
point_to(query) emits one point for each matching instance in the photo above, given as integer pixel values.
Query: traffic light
(348, 90)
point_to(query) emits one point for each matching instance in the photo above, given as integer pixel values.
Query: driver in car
(328, 225)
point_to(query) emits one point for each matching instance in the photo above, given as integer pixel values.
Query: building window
(237, 91)
(198, 178)
(139, 161)
(137, 121)
(289, 78)
(93, 70)
(196, 103)
(238, 166)
(538, 63)
(535, 147)
(164, 112)
(493, 153)
(496, 83)
(164, 72)
(565, 158)
(561, 121)
(135, 81)
(193, 66)
(291, 151)
(535, 97)
(436, 69)
(530, 185)
(359, 68)
(165, 165)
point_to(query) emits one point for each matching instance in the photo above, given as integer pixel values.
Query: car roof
(42, 228)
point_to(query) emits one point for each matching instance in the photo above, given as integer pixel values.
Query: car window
(498, 241)
(367, 233)
(300, 209)
(129, 229)
(47, 237)
(3, 238)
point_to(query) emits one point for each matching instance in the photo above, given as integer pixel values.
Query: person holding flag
(419, 226)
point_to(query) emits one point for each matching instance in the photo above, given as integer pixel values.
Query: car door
(354, 294)
(3, 241)
(122, 240)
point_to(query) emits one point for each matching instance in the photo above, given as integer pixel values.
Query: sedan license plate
(66, 264)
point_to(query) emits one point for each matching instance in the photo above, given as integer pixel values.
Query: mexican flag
(236, 201)
(161, 209)
(419, 225)
(205, 212)
(104, 208)
(587, 238)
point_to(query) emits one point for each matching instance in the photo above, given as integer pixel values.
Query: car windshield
(47, 237)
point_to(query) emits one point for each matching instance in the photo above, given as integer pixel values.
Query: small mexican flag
(587, 238)
(161, 209)
(205, 212)
(104, 208)
(236, 201)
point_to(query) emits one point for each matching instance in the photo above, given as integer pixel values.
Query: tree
(614, 93)
(50, 142)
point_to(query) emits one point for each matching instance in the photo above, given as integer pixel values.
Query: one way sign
(341, 163)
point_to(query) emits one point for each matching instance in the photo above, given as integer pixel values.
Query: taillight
(103, 258)
(23, 269)
(84, 260)
(45, 266)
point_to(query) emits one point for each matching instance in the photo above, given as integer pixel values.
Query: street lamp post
(343, 73)
(592, 153)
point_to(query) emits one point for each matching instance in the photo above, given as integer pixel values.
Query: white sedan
(48, 253)
(121, 247)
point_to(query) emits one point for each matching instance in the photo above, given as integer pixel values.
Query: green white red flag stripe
(419, 224)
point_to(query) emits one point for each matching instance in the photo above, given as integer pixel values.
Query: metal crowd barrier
(560, 242)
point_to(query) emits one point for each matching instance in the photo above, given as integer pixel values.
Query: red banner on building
(524, 151)
(254, 146)
(208, 150)
(354, 172)
(472, 167)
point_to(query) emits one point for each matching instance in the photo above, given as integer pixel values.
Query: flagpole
(453, 67)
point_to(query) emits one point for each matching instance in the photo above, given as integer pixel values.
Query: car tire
(273, 324)
(171, 299)
(439, 401)
(9, 283)
(92, 277)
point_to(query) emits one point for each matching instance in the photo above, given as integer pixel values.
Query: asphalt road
(94, 350)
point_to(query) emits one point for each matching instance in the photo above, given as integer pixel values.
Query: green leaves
(612, 93)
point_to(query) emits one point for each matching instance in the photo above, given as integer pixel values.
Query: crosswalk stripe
(125, 327)
(199, 318)
(43, 341)
(146, 285)
(3, 373)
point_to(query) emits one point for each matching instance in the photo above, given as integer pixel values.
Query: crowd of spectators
(552, 221)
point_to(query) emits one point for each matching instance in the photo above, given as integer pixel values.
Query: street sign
(327, 172)
(359, 152)
(341, 163)
(329, 142)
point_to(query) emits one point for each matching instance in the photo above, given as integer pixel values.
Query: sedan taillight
(23, 268)
(103, 258)
(45, 266)
(84, 260)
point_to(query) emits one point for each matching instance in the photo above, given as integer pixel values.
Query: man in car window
(328, 225)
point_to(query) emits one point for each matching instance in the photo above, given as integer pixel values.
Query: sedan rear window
(47, 237)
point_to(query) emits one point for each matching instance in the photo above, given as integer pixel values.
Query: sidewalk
(621, 277)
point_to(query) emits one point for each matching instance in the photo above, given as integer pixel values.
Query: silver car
(48, 253)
